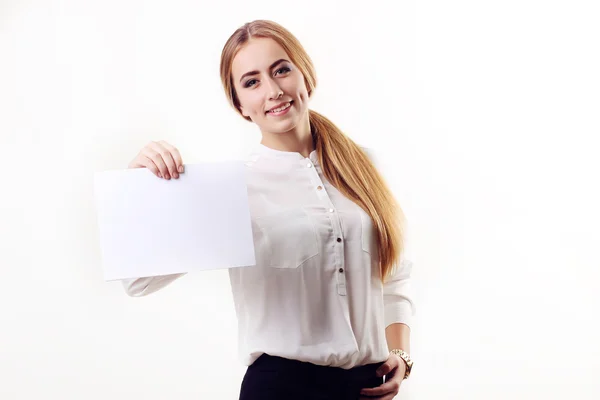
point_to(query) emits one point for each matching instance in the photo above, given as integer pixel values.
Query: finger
(382, 390)
(168, 159)
(158, 161)
(165, 154)
(386, 367)
(149, 164)
(175, 154)
(388, 397)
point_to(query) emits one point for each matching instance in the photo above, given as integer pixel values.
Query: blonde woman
(325, 312)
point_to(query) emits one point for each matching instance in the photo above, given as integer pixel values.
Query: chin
(283, 127)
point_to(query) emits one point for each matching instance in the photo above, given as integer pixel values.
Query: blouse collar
(264, 151)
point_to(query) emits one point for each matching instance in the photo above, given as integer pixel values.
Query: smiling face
(261, 70)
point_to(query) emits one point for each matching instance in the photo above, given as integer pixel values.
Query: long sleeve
(398, 297)
(137, 287)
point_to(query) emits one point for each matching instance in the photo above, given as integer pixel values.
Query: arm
(398, 337)
(164, 161)
(399, 307)
(398, 297)
(137, 287)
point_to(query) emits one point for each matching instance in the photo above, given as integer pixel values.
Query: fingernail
(175, 175)
(180, 169)
(160, 175)
(168, 176)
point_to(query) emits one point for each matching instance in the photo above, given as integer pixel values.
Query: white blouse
(315, 293)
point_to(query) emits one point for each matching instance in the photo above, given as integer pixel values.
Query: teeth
(280, 109)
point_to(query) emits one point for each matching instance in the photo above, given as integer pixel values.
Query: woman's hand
(161, 158)
(394, 369)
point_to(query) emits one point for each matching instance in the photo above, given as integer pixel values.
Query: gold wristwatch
(404, 356)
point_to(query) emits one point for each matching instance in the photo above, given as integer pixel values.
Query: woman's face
(259, 75)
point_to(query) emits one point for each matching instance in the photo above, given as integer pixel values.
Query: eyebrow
(270, 67)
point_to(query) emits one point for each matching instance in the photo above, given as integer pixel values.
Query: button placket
(337, 228)
(341, 273)
(341, 286)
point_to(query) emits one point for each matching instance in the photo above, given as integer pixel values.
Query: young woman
(326, 310)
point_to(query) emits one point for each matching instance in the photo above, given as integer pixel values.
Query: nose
(274, 89)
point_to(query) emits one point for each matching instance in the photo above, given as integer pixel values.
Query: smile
(281, 110)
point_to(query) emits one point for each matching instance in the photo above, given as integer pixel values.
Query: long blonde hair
(344, 163)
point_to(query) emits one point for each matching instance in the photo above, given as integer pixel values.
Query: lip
(280, 105)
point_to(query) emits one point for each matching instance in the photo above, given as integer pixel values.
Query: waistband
(359, 372)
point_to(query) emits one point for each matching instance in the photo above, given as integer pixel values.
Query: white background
(486, 115)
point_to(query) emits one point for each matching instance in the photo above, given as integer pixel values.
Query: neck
(299, 139)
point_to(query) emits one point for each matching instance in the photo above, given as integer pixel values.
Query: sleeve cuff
(401, 312)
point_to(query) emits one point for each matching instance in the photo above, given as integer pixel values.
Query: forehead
(257, 54)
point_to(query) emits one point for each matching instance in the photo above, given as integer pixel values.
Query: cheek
(303, 96)
(302, 92)
(250, 104)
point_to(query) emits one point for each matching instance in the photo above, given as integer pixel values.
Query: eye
(284, 69)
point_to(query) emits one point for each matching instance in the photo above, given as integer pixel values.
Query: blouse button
(339, 239)
(319, 187)
(331, 210)
(309, 165)
(341, 269)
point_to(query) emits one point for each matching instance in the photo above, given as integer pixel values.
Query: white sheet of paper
(150, 226)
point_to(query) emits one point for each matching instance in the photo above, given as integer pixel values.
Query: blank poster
(150, 226)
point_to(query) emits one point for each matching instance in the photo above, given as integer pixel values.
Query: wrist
(406, 359)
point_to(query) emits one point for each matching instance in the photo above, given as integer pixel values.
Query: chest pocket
(287, 239)
(368, 234)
